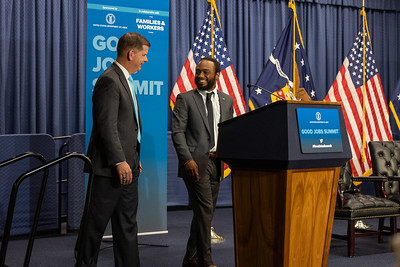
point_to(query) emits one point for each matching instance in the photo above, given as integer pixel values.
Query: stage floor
(167, 250)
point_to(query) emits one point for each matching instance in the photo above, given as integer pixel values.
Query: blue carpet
(167, 250)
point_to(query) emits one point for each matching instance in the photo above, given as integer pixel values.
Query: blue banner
(106, 22)
(319, 130)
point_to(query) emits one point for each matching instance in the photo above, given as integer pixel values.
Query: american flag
(202, 47)
(348, 88)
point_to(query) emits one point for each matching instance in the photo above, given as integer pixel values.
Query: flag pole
(365, 34)
(293, 7)
(364, 89)
(212, 2)
(213, 7)
(295, 25)
(365, 28)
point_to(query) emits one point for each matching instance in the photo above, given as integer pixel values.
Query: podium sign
(319, 130)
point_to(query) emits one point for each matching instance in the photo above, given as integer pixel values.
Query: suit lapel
(198, 99)
(222, 102)
(124, 83)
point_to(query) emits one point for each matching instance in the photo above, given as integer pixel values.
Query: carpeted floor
(167, 250)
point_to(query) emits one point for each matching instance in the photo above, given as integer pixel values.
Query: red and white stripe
(377, 126)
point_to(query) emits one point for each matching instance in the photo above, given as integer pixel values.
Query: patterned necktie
(135, 104)
(210, 116)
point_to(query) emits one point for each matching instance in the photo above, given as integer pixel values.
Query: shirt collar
(204, 92)
(124, 71)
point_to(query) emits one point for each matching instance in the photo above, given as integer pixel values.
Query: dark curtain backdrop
(42, 66)
(43, 50)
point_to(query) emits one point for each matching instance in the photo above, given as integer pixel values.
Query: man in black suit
(114, 150)
(194, 133)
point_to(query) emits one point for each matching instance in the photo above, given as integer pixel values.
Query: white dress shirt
(216, 112)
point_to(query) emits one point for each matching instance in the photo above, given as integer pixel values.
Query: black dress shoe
(189, 263)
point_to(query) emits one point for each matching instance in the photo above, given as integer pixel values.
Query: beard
(210, 84)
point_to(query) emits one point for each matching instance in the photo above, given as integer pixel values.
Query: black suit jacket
(190, 130)
(115, 128)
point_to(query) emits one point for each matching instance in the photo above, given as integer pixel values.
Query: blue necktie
(135, 104)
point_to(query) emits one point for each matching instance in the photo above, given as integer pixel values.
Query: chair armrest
(371, 178)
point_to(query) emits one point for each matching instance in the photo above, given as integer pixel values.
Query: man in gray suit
(114, 150)
(194, 133)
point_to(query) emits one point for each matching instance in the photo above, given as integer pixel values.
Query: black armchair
(351, 205)
(385, 159)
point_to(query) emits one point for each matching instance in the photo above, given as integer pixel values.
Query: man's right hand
(192, 170)
(124, 173)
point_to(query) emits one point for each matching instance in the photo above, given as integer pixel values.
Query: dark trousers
(203, 195)
(111, 200)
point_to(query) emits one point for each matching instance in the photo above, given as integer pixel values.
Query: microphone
(269, 92)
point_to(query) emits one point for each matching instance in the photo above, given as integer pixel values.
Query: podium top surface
(269, 137)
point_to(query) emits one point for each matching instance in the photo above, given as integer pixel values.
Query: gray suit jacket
(115, 129)
(190, 130)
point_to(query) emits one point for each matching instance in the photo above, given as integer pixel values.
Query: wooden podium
(283, 199)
